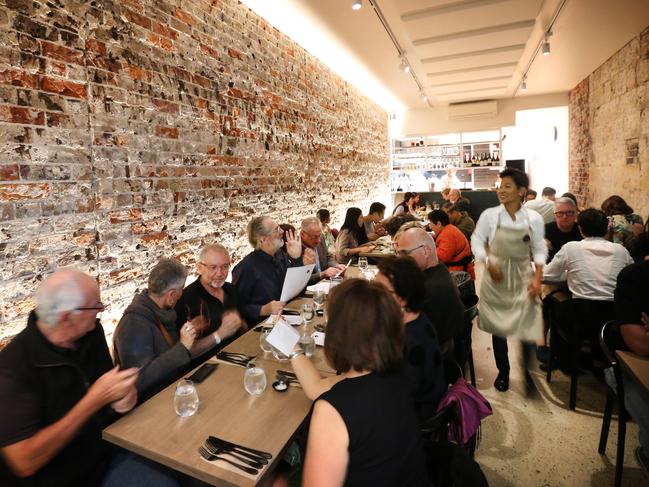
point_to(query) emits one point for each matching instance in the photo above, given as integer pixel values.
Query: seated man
(315, 251)
(591, 265)
(453, 248)
(59, 389)
(372, 221)
(442, 304)
(564, 228)
(632, 313)
(461, 219)
(212, 298)
(259, 277)
(455, 197)
(396, 222)
(544, 206)
(147, 336)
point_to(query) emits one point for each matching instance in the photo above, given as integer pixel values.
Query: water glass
(185, 399)
(362, 263)
(334, 282)
(254, 380)
(307, 312)
(319, 299)
(263, 340)
(307, 343)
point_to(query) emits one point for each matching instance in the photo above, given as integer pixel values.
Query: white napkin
(283, 337)
(294, 320)
(319, 338)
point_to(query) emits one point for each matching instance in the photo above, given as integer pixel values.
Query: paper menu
(283, 337)
(295, 281)
(294, 320)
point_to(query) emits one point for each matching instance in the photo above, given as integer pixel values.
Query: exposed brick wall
(609, 129)
(135, 129)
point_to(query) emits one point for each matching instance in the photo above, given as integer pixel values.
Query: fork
(210, 457)
(214, 450)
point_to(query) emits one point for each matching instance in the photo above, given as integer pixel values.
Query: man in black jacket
(59, 390)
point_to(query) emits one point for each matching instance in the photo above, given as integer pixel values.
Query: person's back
(384, 439)
(454, 250)
(443, 305)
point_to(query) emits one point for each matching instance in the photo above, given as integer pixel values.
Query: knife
(219, 442)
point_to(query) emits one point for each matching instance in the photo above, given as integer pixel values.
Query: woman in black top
(364, 430)
(422, 355)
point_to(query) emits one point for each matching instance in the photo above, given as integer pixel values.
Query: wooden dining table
(266, 422)
(635, 366)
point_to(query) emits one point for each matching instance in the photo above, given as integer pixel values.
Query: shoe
(530, 386)
(642, 459)
(542, 354)
(502, 381)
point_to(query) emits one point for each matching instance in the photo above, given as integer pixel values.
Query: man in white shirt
(544, 206)
(590, 266)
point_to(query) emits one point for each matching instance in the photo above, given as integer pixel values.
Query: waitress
(505, 238)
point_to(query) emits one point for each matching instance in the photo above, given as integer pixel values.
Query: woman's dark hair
(519, 177)
(407, 196)
(364, 330)
(439, 216)
(531, 192)
(615, 205)
(593, 222)
(323, 215)
(406, 279)
(396, 222)
(351, 224)
(571, 196)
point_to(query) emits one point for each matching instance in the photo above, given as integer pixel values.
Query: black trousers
(502, 357)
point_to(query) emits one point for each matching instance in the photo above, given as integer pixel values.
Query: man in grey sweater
(147, 335)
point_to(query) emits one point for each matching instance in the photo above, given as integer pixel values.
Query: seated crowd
(387, 339)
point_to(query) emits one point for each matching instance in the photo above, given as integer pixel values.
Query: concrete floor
(539, 441)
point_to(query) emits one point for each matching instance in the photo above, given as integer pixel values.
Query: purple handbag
(471, 406)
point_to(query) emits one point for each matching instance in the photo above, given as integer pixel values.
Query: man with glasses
(564, 228)
(259, 277)
(59, 389)
(443, 305)
(315, 251)
(211, 297)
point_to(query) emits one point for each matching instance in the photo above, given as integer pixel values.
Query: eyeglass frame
(101, 307)
(403, 253)
(565, 213)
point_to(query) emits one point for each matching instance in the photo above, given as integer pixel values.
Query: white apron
(505, 307)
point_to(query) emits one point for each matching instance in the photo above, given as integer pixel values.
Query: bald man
(443, 305)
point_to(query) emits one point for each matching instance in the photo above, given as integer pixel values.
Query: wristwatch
(217, 338)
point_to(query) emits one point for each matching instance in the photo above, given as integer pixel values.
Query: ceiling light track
(405, 64)
(543, 46)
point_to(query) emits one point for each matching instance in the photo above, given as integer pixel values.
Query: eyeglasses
(98, 307)
(564, 213)
(408, 252)
(212, 268)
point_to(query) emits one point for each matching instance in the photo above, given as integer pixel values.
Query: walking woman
(505, 238)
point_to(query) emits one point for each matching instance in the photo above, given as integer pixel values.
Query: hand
(548, 243)
(380, 230)
(534, 288)
(272, 308)
(329, 272)
(113, 386)
(125, 404)
(188, 335)
(293, 245)
(495, 272)
(200, 324)
(309, 257)
(231, 322)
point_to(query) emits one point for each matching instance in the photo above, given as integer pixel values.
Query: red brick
(233, 53)
(185, 17)
(139, 73)
(163, 30)
(18, 77)
(61, 53)
(154, 238)
(124, 216)
(167, 132)
(137, 18)
(64, 87)
(17, 192)
(21, 115)
(121, 275)
(96, 46)
(9, 172)
(209, 51)
(166, 106)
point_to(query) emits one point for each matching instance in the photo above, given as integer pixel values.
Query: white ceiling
(462, 50)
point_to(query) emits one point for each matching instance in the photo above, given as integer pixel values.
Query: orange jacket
(453, 246)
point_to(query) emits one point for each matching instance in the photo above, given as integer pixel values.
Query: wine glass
(307, 343)
(254, 379)
(263, 340)
(319, 299)
(185, 399)
(307, 312)
(362, 263)
(334, 282)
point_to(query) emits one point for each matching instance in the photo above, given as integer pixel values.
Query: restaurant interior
(138, 130)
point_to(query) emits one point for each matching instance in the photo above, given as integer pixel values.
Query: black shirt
(558, 238)
(384, 438)
(632, 294)
(259, 279)
(443, 305)
(423, 365)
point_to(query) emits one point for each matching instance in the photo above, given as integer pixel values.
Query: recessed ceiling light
(357, 4)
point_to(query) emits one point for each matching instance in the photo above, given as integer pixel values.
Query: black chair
(578, 323)
(608, 339)
(463, 345)
(463, 282)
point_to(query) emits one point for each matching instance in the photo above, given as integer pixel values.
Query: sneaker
(642, 459)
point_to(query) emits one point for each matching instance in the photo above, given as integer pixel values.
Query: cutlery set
(240, 359)
(247, 459)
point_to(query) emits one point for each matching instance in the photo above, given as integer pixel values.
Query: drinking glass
(362, 263)
(263, 340)
(307, 343)
(307, 312)
(319, 299)
(254, 380)
(334, 282)
(185, 399)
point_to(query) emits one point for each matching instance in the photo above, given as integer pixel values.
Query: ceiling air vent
(469, 110)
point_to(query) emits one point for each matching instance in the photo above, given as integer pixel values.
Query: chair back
(463, 343)
(587, 317)
(463, 282)
(608, 340)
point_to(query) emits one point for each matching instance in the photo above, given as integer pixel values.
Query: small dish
(280, 386)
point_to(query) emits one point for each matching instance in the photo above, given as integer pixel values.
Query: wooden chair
(608, 338)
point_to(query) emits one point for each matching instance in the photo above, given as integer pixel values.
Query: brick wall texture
(609, 130)
(135, 129)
